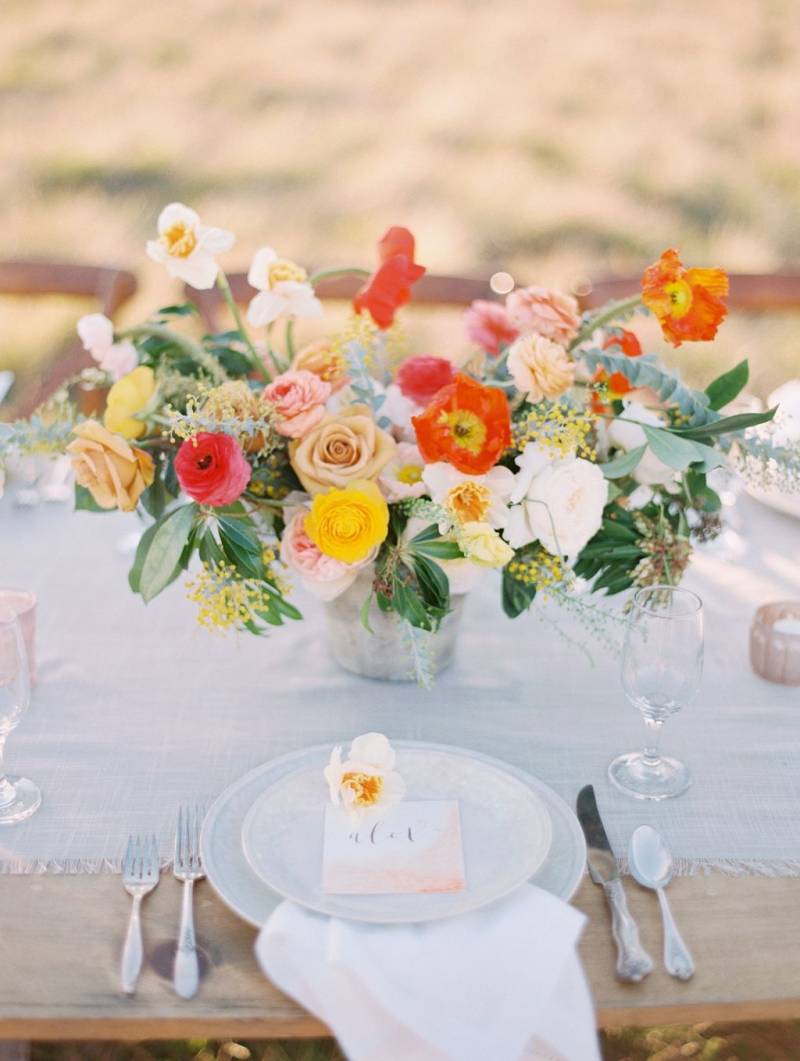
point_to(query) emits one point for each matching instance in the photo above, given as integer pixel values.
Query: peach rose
(299, 400)
(112, 471)
(320, 358)
(540, 368)
(544, 312)
(321, 575)
(347, 446)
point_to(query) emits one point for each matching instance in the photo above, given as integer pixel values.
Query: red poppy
(389, 287)
(626, 341)
(420, 378)
(467, 425)
(687, 302)
(212, 469)
(617, 386)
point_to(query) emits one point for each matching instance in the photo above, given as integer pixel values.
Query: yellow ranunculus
(481, 544)
(348, 524)
(128, 396)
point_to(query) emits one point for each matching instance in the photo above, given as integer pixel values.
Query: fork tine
(154, 859)
(187, 835)
(196, 838)
(127, 862)
(179, 838)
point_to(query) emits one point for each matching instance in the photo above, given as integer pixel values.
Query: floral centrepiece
(548, 446)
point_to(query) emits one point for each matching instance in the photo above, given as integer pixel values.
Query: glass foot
(20, 798)
(640, 777)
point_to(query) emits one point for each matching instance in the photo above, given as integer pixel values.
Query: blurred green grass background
(558, 140)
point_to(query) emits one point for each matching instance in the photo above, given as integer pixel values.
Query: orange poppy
(617, 386)
(687, 302)
(389, 287)
(627, 342)
(467, 425)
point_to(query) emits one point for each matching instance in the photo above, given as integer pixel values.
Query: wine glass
(662, 663)
(19, 797)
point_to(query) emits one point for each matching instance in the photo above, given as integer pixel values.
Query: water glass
(23, 604)
(662, 664)
(19, 797)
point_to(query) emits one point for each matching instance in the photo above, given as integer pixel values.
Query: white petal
(501, 481)
(440, 478)
(299, 298)
(199, 270)
(265, 308)
(157, 251)
(373, 749)
(332, 588)
(530, 462)
(214, 240)
(96, 332)
(257, 275)
(518, 532)
(119, 359)
(177, 213)
(333, 773)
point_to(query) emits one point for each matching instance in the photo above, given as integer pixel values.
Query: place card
(416, 847)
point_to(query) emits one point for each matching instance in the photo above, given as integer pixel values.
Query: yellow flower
(128, 396)
(348, 524)
(481, 544)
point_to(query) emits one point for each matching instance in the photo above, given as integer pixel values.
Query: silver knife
(633, 961)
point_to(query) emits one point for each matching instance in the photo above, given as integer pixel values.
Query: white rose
(561, 502)
(651, 470)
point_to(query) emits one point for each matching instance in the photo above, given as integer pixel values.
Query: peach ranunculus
(324, 361)
(341, 448)
(114, 473)
(489, 326)
(540, 368)
(298, 398)
(544, 312)
(321, 575)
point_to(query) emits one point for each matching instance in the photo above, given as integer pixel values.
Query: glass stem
(651, 754)
(7, 791)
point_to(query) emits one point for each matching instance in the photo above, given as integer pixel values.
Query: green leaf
(438, 549)
(180, 309)
(138, 561)
(428, 534)
(84, 502)
(363, 612)
(241, 546)
(679, 452)
(624, 465)
(727, 386)
(517, 596)
(209, 549)
(613, 528)
(726, 425)
(156, 497)
(433, 582)
(408, 606)
(164, 554)
(232, 360)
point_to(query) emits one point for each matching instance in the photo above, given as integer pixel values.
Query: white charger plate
(240, 888)
(505, 832)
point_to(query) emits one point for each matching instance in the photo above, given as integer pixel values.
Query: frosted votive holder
(775, 642)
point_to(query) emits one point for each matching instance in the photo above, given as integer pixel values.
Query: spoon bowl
(650, 858)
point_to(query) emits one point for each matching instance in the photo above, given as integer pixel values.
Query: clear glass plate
(505, 831)
(245, 893)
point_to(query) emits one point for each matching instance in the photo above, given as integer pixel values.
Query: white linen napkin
(504, 982)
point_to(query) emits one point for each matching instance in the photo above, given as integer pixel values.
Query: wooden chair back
(109, 286)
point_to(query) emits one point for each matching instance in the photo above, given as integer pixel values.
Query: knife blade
(633, 961)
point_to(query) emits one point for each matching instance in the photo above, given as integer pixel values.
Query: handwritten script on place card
(415, 848)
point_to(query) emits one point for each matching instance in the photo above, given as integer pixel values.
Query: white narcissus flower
(187, 248)
(470, 498)
(366, 783)
(627, 435)
(560, 502)
(96, 332)
(401, 478)
(283, 290)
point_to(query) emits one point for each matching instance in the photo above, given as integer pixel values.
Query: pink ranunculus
(489, 326)
(321, 575)
(540, 311)
(421, 377)
(299, 399)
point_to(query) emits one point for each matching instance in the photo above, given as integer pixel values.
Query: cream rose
(544, 312)
(560, 502)
(481, 544)
(340, 449)
(112, 471)
(623, 433)
(540, 368)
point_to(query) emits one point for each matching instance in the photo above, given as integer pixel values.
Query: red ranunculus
(212, 469)
(626, 341)
(389, 287)
(420, 378)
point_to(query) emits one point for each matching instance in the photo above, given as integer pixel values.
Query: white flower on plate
(470, 498)
(187, 248)
(556, 502)
(96, 332)
(283, 290)
(402, 476)
(626, 434)
(366, 782)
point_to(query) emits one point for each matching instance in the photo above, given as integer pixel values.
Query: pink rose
(321, 575)
(299, 399)
(488, 325)
(543, 312)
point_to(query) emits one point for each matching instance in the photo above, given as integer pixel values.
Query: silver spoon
(651, 866)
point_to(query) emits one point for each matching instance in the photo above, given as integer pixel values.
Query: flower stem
(256, 362)
(330, 274)
(621, 308)
(290, 339)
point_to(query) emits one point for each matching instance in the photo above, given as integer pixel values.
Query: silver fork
(188, 868)
(139, 877)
